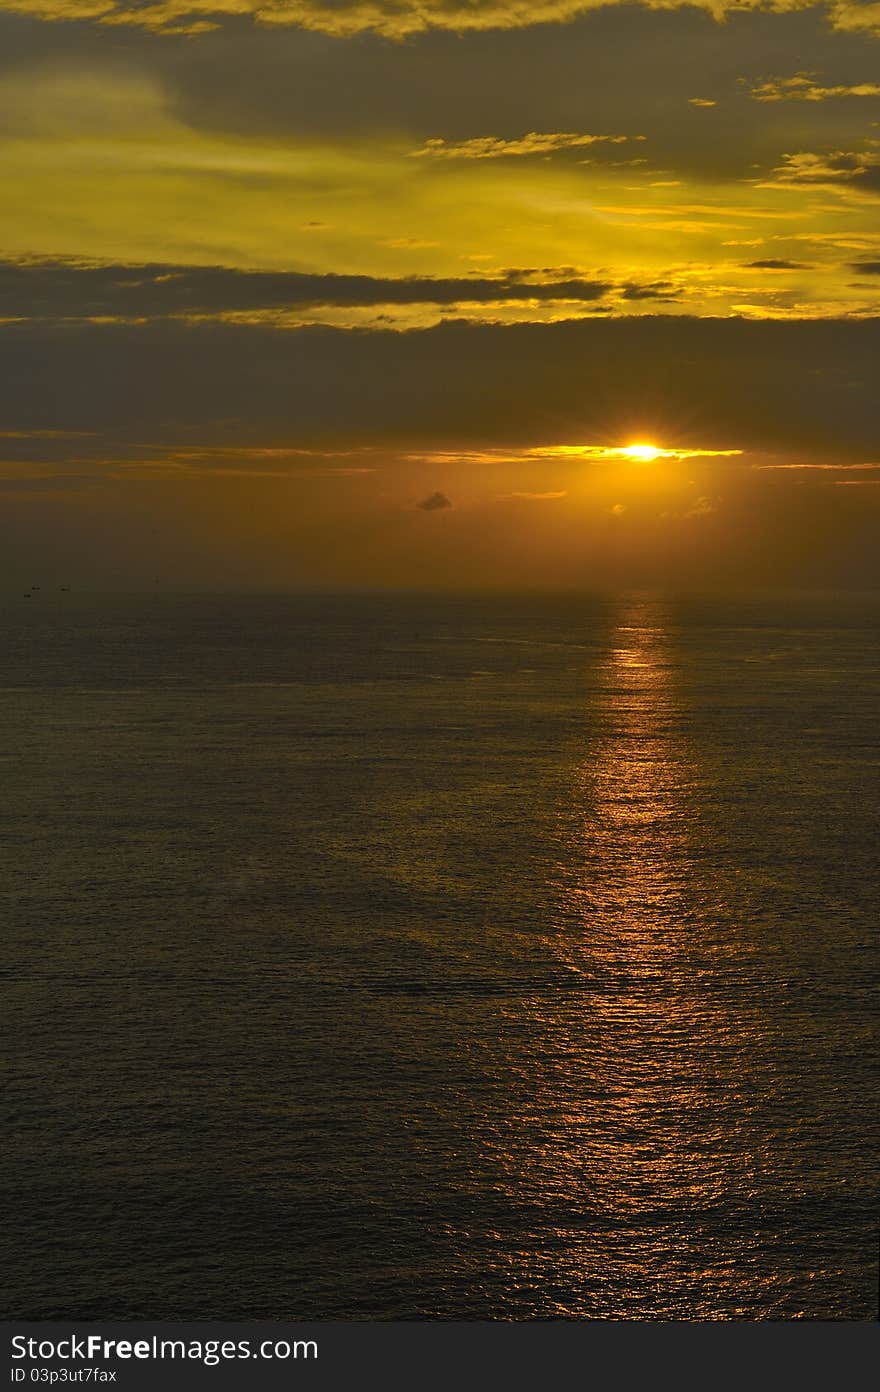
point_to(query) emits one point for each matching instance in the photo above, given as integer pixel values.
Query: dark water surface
(382, 957)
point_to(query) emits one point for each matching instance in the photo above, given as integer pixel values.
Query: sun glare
(643, 452)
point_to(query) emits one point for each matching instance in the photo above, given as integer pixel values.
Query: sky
(383, 292)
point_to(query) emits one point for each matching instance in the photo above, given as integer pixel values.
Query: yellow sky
(383, 293)
(99, 165)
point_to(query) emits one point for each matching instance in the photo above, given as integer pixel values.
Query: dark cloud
(48, 483)
(719, 383)
(866, 267)
(652, 290)
(435, 502)
(41, 289)
(771, 264)
(621, 68)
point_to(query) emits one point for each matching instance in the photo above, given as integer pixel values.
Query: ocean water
(474, 958)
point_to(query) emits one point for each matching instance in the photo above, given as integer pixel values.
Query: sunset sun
(642, 452)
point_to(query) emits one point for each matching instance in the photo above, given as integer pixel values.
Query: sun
(643, 452)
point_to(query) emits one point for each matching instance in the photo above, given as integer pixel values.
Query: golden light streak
(592, 454)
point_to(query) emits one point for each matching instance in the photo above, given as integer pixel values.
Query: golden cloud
(494, 147)
(562, 453)
(857, 170)
(802, 87)
(398, 19)
(536, 497)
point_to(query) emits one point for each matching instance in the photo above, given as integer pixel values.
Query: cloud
(409, 243)
(20, 435)
(690, 384)
(651, 290)
(702, 508)
(772, 264)
(701, 101)
(539, 497)
(44, 289)
(856, 15)
(801, 87)
(394, 19)
(866, 267)
(226, 130)
(495, 147)
(567, 454)
(858, 170)
(817, 468)
(435, 502)
(49, 483)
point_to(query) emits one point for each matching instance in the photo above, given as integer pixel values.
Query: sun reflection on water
(639, 1058)
(629, 845)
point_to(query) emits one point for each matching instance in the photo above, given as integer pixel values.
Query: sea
(440, 957)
